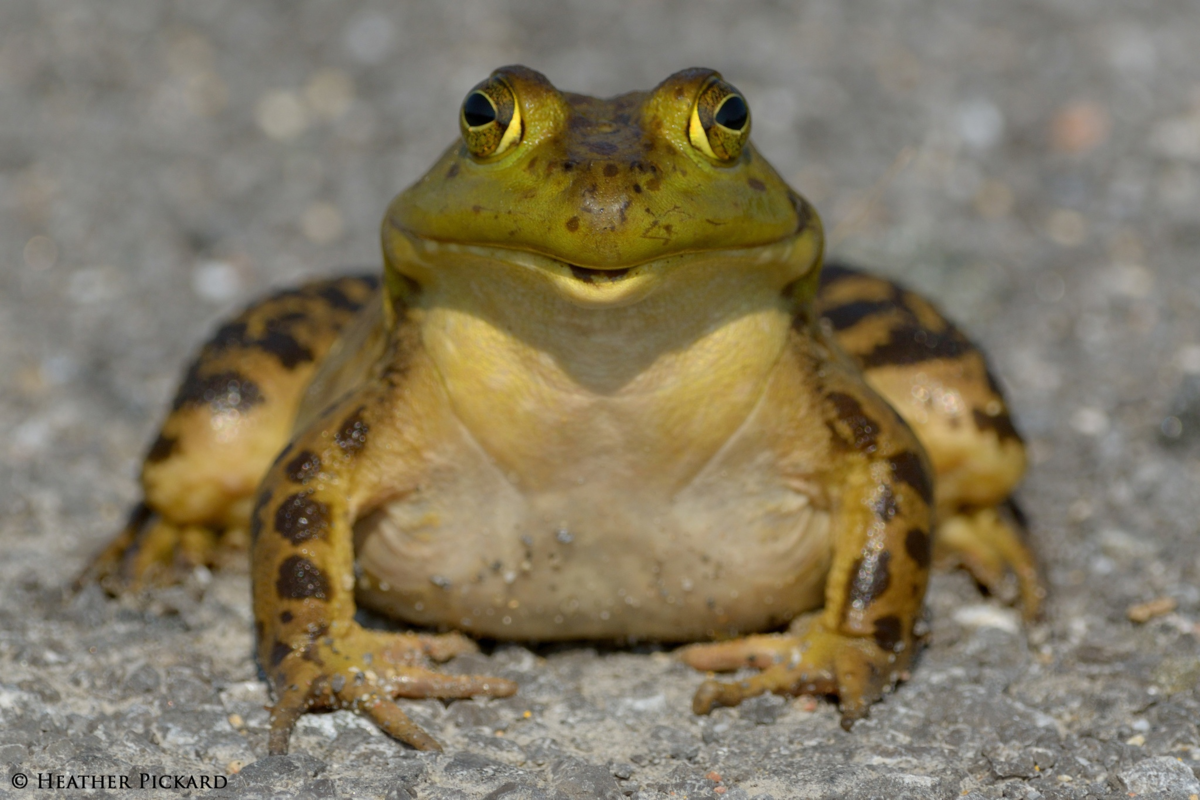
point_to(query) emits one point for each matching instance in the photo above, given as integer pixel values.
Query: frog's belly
(472, 553)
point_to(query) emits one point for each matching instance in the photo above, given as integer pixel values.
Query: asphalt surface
(1034, 166)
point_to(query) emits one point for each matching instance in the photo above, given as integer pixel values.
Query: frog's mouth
(594, 276)
(426, 261)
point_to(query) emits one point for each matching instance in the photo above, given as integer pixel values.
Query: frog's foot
(364, 671)
(991, 545)
(808, 660)
(151, 551)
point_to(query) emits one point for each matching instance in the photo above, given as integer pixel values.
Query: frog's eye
(490, 119)
(720, 123)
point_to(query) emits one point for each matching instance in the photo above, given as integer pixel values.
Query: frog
(605, 389)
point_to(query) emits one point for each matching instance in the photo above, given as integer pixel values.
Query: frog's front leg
(863, 640)
(315, 655)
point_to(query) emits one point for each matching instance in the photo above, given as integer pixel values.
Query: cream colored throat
(643, 393)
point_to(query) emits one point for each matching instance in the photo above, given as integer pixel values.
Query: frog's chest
(604, 553)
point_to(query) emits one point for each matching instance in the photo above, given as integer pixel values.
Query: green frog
(604, 390)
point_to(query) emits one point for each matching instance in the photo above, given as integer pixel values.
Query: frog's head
(603, 198)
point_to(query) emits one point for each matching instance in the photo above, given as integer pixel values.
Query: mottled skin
(605, 392)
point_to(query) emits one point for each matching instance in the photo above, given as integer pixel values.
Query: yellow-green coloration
(606, 392)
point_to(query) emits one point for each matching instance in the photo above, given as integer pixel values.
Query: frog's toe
(365, 698)
(364, 671)
(749, 651)
(820, 662)
(150, 551)
(991, 545)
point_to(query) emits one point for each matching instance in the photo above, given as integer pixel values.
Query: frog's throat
(415, 261)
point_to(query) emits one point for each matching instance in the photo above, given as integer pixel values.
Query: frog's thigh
(230, 417)
(936, 379)
(940, 383)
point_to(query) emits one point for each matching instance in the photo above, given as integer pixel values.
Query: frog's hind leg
(231, 416)
(940, 384)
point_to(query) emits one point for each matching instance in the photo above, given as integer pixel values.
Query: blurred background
(1033, 166)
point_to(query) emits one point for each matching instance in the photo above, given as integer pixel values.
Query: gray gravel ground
(1033, 165)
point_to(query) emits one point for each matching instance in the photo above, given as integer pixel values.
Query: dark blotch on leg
(304, 467)
(162, 449)
(918, 545)
(1002, 424)
(885, 506)
(352, 436)
(914, 344)
(889, 633)
(300, 579)
(300, 518)
(850, 314)
(871, 579)
(260, 504)
(286, 617)
(284, 346)
(279, 651)
(862, 432)
(907, 467)
(224, 391)
(336, 298)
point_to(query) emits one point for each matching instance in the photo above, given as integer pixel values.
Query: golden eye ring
(490, 120)
(720, 123)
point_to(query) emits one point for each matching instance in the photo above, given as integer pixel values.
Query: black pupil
(478, 110)
(733, 113)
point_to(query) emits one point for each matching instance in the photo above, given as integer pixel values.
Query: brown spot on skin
(311, 653)
(453, 171)
(162, 449)
(286, 617)
(610, 170)
(567, 166)
(277, 340)
(850, 314)
(279, 651)
(1001, 425)
(224, 391)
(888, 633)
(300, 518)
(284, 346)
(573, 224)
(260, 505)
(352, 436)
(637, 188)
(871, 579)
(477, 209)
(913, 344)
(300, 579)
(885, 506)
(918, 545)
(862, 432)
(907, 467)
(757, 185)
(304, 467)
(338, 299)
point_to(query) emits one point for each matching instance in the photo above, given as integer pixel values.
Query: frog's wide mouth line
(594, 276)
(788, 258)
